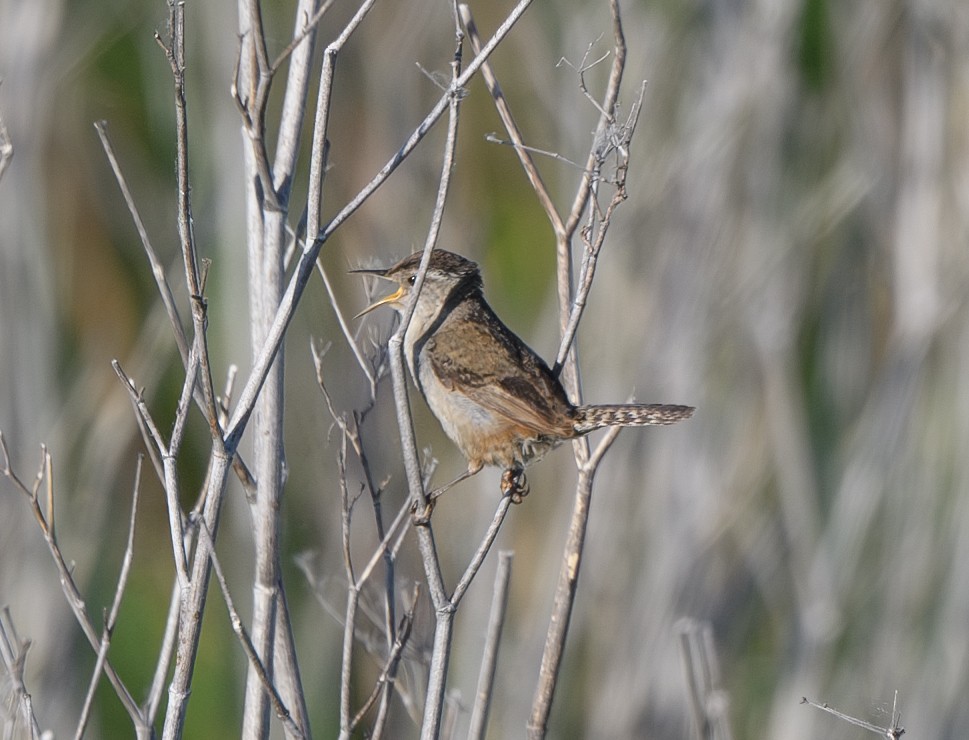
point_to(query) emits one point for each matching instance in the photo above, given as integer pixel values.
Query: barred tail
(588, 418)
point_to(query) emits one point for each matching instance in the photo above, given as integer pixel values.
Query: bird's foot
(420, 516)
(514, 484)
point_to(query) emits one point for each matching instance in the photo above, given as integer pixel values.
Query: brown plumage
(496, 399)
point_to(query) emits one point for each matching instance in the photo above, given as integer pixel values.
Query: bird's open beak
(396, 295)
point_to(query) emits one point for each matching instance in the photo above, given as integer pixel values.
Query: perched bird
(496, 398)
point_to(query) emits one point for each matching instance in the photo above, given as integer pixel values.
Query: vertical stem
(192, 595)
(192, 600)
(561, 610)
(264, 237)
(496, 620)
(440, 659)
(572, 555)
(443, 608)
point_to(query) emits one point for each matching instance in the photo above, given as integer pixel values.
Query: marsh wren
(496, 399)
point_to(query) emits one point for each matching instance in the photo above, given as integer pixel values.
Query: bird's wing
(502, 375)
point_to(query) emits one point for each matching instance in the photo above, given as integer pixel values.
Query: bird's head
(445, 272)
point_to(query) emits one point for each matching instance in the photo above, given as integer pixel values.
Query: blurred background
(793, 260)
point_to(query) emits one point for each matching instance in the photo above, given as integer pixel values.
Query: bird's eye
(412, 279)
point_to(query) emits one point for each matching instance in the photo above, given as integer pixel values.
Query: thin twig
(411, 459)
(387, 675)
(258, 77)
(347, 332)
(572, 556)
(68, 585)
(606, 117)
(13, 655)
(319, 152)
(353, 594)
(489, 660)
(311, 25)
(584, 66)
(390, 594)
(49, 488)
(169, 473)
(351, 433)
(225, 400)
(514, 133)
(384, 547)
(282, 712)
(893, 731)
(478, 558)
(586, 274)
(155, 691)
(493, 138)
(176, 58)
(168, 300)
(112, 617)
(183, 407)
(157, 270)
(432, 568)
(192, 595)
(602, 448)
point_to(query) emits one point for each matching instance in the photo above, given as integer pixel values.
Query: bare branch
(584, 191)
(489, 660)
(347, 332)
(584, 66)
(157, 270)
(282, 712)
(176, 59)
(572, 555)
(69, 587)
(606, 119)
(171, 308)
(892, 732)
(478, 558)
(160, 676)
(353, 593)
(386, 677)
(169, 472)
(308, 28)
(492, 138)
(517, 140)
(444, 607)
(322, 120)
(269, 187)
(604, 444)
(112, 617)
(593, 244)
(13, 655)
